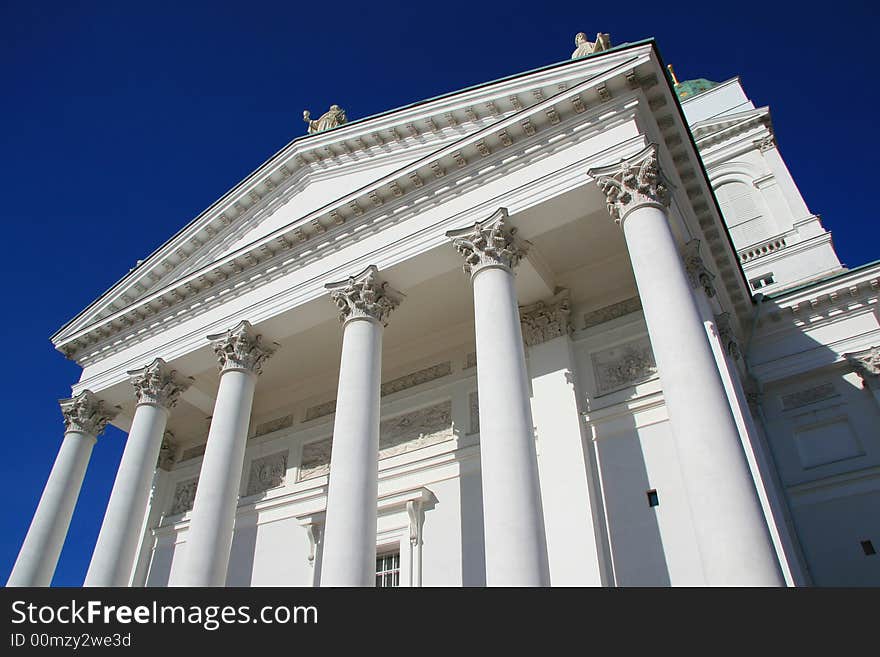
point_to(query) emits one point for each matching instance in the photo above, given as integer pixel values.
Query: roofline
(620, 48)
(820, 281)
(735, 78)
(690, 136)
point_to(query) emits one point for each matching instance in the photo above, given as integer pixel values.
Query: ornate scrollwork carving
(364, 296)
(489, 243)
(866, 364)
(545, 320)
(157, 384)
(726, 335)
(633, 183)
(86, 413)
(697, 272)
(241, 348)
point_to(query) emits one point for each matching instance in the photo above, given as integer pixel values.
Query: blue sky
(121, 121)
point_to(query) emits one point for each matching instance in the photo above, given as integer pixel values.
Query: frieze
(193, 452)
(808, 396)
(267, 472)
(613, 311)
(184, 496)
(417, 378)
(321, 410)
(470, 360)
(623, 366)
(398, 435)
(273, 425)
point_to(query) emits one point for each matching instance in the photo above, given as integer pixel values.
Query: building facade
(572, 327)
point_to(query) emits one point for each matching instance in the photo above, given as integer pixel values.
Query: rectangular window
(762, 281)
(388, 569)
(653, 499)
(868, 548)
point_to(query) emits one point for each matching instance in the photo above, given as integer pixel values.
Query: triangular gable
(389, 141)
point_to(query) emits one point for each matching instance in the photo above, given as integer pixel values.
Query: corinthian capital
(157, 384)
(632, 183)
(696, 269)
(545, 320)
(866, 364)
(364, 296)
(86, 413)
(241, 348)
(489, 242)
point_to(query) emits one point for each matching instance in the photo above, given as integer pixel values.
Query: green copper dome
(693, 87)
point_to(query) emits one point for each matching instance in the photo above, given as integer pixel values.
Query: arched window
(738, 203)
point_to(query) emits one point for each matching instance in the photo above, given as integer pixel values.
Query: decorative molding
(397, 435)
(696, 270)
(241, 348)
(416, 429)
(808, 396)
(267, 472)
(546, 320)
(274, 425)
(633, 183)
(613, 311)
(86, 413)
(158, 384)
(866, 364)
(489, 243)
(417, 378)
(364, 295)
(184, 496)
(623, 366)
(474, 409)
(726, 335)
(315, 460)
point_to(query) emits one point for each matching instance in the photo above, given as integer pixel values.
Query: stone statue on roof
(332, 118)
(584, 47)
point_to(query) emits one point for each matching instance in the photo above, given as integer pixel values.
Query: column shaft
(732, 535)
(349, 557)
(39, 553)
(117, 544)
(209, 539)
(513, 523)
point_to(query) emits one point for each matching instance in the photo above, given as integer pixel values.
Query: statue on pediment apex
(584, 47)
(332, 118)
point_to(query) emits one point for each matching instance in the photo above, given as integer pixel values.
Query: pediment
(730, 124)
(321, 181)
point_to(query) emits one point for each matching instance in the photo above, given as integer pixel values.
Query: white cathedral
(576, 326)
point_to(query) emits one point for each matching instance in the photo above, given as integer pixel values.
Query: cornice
(366, 205)
(826, 301)
(394, 131)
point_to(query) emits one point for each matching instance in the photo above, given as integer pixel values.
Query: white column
(732, 535)
(241, 354)
(569, 496)
(516, 553)
(84, 420)
(157, 390)
(349, 556)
